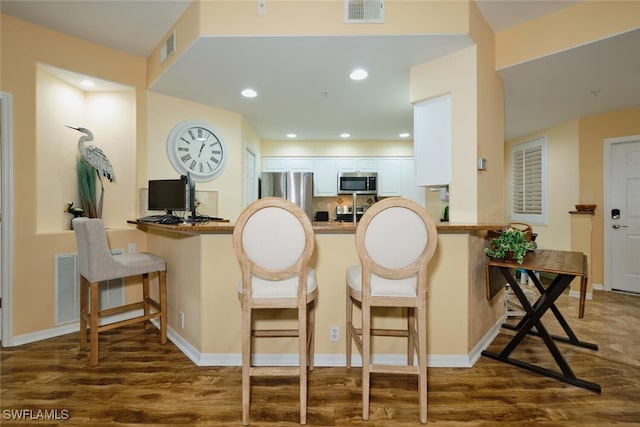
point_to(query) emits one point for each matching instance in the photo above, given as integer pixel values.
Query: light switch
(482, 164)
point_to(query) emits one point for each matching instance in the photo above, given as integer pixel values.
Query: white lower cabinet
(325, 176)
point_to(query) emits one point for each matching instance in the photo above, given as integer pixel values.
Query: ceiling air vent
(363, 11)
(168, 47)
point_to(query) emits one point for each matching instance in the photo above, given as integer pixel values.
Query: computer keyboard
(204, 218)
(172, 219)
(160, 219)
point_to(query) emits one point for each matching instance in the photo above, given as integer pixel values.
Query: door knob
(617, 226)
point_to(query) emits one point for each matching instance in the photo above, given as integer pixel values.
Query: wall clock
(196, 148)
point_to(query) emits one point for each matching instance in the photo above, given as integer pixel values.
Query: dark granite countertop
(328, 227)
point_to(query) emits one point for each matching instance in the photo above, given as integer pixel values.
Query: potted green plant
(510, 245)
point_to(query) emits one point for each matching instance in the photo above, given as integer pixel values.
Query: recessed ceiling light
(358, 74)
(249, 93)
(345, 135)
(404, 135)
(87, 83)
(291, 135)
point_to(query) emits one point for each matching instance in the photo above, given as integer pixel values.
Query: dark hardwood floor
(140, 381)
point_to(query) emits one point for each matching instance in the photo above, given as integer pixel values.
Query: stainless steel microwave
(358, 182)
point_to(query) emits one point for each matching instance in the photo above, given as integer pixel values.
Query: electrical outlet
(334, 333)
(262, 7)
(181, 319)
(131, 248)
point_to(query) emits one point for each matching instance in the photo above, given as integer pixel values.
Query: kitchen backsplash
(434, 205)
(330, 204)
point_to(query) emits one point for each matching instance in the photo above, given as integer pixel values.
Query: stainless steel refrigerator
(294, 186)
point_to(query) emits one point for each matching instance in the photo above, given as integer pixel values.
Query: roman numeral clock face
(195, 148)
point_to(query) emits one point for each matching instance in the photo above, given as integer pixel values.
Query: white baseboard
(333, 360)
(46, 334)
(488, 338)
(589, 296)
(287, 359)
(69, 328)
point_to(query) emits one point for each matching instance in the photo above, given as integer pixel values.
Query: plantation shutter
(527, 162)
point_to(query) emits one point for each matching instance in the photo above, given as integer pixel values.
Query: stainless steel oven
(345, 213)
(358, 183)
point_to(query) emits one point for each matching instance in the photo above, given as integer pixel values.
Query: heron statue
(99, 163)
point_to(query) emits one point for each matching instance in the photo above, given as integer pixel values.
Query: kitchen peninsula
(203, 275)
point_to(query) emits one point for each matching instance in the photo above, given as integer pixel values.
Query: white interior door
(622, 221)
(1, 258)
(6, 218)
(250, 191)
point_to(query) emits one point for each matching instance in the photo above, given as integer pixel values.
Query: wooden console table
(566, 266)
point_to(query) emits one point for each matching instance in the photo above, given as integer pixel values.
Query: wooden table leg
(533, 319)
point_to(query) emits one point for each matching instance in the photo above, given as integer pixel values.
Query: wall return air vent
(168, 47)
(364, 11)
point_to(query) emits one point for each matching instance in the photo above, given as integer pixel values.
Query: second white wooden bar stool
(395, 240)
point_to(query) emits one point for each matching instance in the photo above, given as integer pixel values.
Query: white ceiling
(303, 84)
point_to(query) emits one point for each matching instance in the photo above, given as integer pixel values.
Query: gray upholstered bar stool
(96, 264)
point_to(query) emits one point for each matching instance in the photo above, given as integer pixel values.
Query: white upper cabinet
(325, 176)
(357, 164)
(301, 164)
(275, 164)
(397, 177)
(389, 177)
(287, 164)
(432, 141)
(409, 188)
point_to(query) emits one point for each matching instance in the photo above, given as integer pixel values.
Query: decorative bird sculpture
(98, 162)
(76, 212)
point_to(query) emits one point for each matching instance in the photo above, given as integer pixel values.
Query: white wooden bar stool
(273, 240)
(395, 240)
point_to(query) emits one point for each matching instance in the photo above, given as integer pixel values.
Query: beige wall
(477, 119)
(582, 23)
(593, 131)
(203, 274)
(576, 146)
(165, 112)
(455, 74)
(576, 149)
(59, 103)
(475, 88)
(337, 148)
(562, 193)
(307, 18)
(490, 123)
(24, 46)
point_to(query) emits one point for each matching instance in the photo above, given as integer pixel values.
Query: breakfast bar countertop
(319, 227)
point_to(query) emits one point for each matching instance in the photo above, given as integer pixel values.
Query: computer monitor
(191, 196)
(168, 195)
